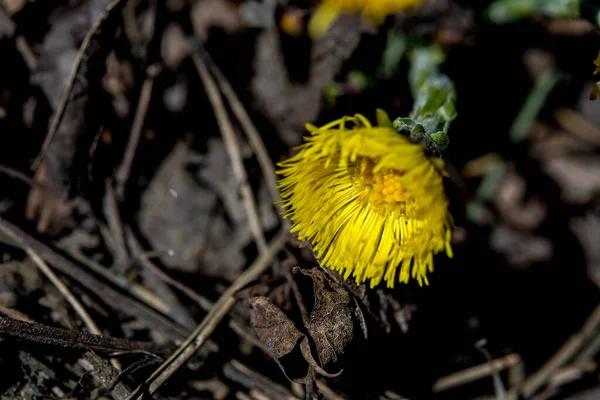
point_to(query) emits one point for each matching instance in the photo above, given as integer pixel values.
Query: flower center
(382, 189)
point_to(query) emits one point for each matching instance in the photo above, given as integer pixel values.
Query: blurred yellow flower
(375, 10)
(368, 200)
(597, 64)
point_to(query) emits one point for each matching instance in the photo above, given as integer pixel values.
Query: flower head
(368, 200)
(375, 10)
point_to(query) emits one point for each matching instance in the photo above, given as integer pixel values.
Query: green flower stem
(434, 101)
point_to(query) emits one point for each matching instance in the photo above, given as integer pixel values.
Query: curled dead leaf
(285, 342)
(334, 317)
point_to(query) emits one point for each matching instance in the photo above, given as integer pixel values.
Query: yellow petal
(322, 19)
(370, 202)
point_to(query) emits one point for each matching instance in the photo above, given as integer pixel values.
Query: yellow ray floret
(375, 10)
(368, 200)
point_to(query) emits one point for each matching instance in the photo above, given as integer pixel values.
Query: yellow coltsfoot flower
(375, 10)
(369, 201)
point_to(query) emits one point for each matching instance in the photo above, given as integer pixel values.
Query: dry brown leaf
(548, 142)
(47, 202)
(175, 212)
(522, 212)
(332, 320)
(273, 327)
(521, 249)
(48, 208)
(577, 176)
(285, 342)
(287, 104)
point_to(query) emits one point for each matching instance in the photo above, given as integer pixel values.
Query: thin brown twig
(499, 389)
(16, 314)
(115, 226)
(138, 254)
(516, 375)
(107, 293)
(159, 281)
(327, 392)
(71, 299)
(572, 373)
(568, 350)
(71, 339)
(13, 173)
(298, 389)
(119, 235)
(242, 374)
(135, 290)
(8, 28)
(590, 351)
(26, 53)
(256, 394)
(299, 299)
(64, 101)
(62, 288)
(92, 153)
(248, 334)
(202, 301)
(210, 322)
(122, 174)
(239, 395)
(233, 151)
(106, 374)
(474, 373)
(257, 144)
(564, 376)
